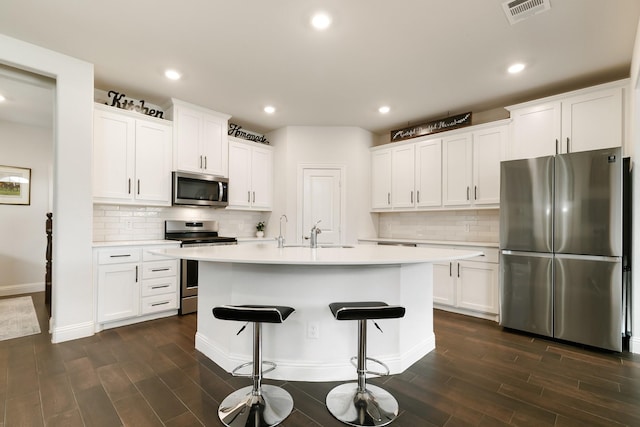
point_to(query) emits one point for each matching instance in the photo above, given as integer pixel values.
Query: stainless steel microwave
(194, 189)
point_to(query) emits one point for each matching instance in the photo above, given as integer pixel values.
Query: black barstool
(256, 405)
(362, 404)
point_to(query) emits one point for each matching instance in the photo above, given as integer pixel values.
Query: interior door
(322, 201)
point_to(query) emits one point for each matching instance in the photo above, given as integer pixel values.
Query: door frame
(300, 233)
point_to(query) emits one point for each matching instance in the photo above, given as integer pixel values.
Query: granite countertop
(299, 255)
(405, 240)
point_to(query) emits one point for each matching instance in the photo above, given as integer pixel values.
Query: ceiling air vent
(519, 10)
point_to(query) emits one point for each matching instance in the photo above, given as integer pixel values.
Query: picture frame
(15, 185)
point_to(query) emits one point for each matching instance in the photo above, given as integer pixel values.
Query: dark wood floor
(150, 375)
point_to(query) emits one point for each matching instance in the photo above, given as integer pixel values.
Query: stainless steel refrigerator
(561, 239)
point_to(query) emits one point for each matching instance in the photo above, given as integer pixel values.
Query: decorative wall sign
(15, 185)
(433, 126)
(237, 131)
(120, 100)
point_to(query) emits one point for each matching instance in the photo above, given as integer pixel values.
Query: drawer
(160, 285)
(148, 256)
(153, 269)
(118, 255)
(157, 303)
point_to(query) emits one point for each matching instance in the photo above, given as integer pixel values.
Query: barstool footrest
(354, 362)
(235, 373)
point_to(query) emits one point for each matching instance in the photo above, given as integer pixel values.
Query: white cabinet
(132, 283)
(468, 286)
(131, 158)
(582, 120)
(250, 175)
(407, 176)
(471, 167)
(381, 179)
(200, 139)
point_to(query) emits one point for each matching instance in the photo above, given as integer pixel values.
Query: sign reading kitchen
(120, 100)
(433, 126)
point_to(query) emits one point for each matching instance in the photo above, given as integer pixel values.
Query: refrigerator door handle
(529, 254)
(615, 259)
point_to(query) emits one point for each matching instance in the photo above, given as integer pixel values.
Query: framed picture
(15, 185)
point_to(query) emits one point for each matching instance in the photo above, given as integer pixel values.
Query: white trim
(72, 332)
(634, 345)
(22, 288)
(116, 324)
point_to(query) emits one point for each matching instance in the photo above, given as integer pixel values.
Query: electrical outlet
(128, 224)
(313, 330)
(466, 228)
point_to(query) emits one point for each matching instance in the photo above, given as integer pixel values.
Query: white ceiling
(424, 58)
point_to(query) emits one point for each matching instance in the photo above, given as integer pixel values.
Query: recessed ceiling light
(2, 98)
(384, 109)
(321, 21)
(269, 109)
(516, 68)
(172, 75)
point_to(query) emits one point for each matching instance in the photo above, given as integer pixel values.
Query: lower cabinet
(468, 286)
(132, 283)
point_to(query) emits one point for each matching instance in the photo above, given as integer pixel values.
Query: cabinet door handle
(450, 266)
(138, 187)
(129, 186)
(159, 286)
(475, 192)
(119, 256)
(556, 146)
(254, 197)
(458, 269)
(248, 196)
(159, 303)
(418, 196)
(412, 197)
(136, 274)
(205, 162)
(388, 198)
(568, 151)
(200, 162)
(467, 192)
(160, 269)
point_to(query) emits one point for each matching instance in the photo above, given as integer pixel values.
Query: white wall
(23, 244)
(312, 145)
(634, 125)
(72, 304)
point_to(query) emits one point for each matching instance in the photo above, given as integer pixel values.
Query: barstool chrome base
(372, 407)
(243, 409)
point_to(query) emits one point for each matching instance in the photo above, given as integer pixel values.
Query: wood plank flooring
(150, 375)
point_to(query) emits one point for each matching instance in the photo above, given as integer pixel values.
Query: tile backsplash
(113, 223)
(465, 225)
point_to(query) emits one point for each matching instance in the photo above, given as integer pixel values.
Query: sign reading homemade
(433, 126)
(237, 131)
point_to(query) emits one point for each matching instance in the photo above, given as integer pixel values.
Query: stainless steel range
(190, 234)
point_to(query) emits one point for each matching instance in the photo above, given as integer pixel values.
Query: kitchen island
(311, 345)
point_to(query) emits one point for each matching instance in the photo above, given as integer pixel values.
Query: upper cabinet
(131, 158)
(200, 139)
(459, 170)
(250, 175)
(583, 120)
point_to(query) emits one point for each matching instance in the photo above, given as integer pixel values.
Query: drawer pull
(160, 286)
(160, 269)
(159, 303)
(119, 256)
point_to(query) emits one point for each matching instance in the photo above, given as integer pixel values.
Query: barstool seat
(359, 403)
(257, 405)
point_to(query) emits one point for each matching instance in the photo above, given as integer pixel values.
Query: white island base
(311, 345)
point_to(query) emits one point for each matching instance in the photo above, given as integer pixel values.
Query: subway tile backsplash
(480, 225)
(113, 223)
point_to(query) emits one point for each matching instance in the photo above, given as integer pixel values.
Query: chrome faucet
(280, 238)
(314, 234)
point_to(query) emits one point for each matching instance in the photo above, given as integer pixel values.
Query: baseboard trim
(72, 332)
(23, 288)
(634, 345)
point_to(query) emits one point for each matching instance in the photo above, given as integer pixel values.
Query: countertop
(404, 240)
(296, 255)
(134, 243)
